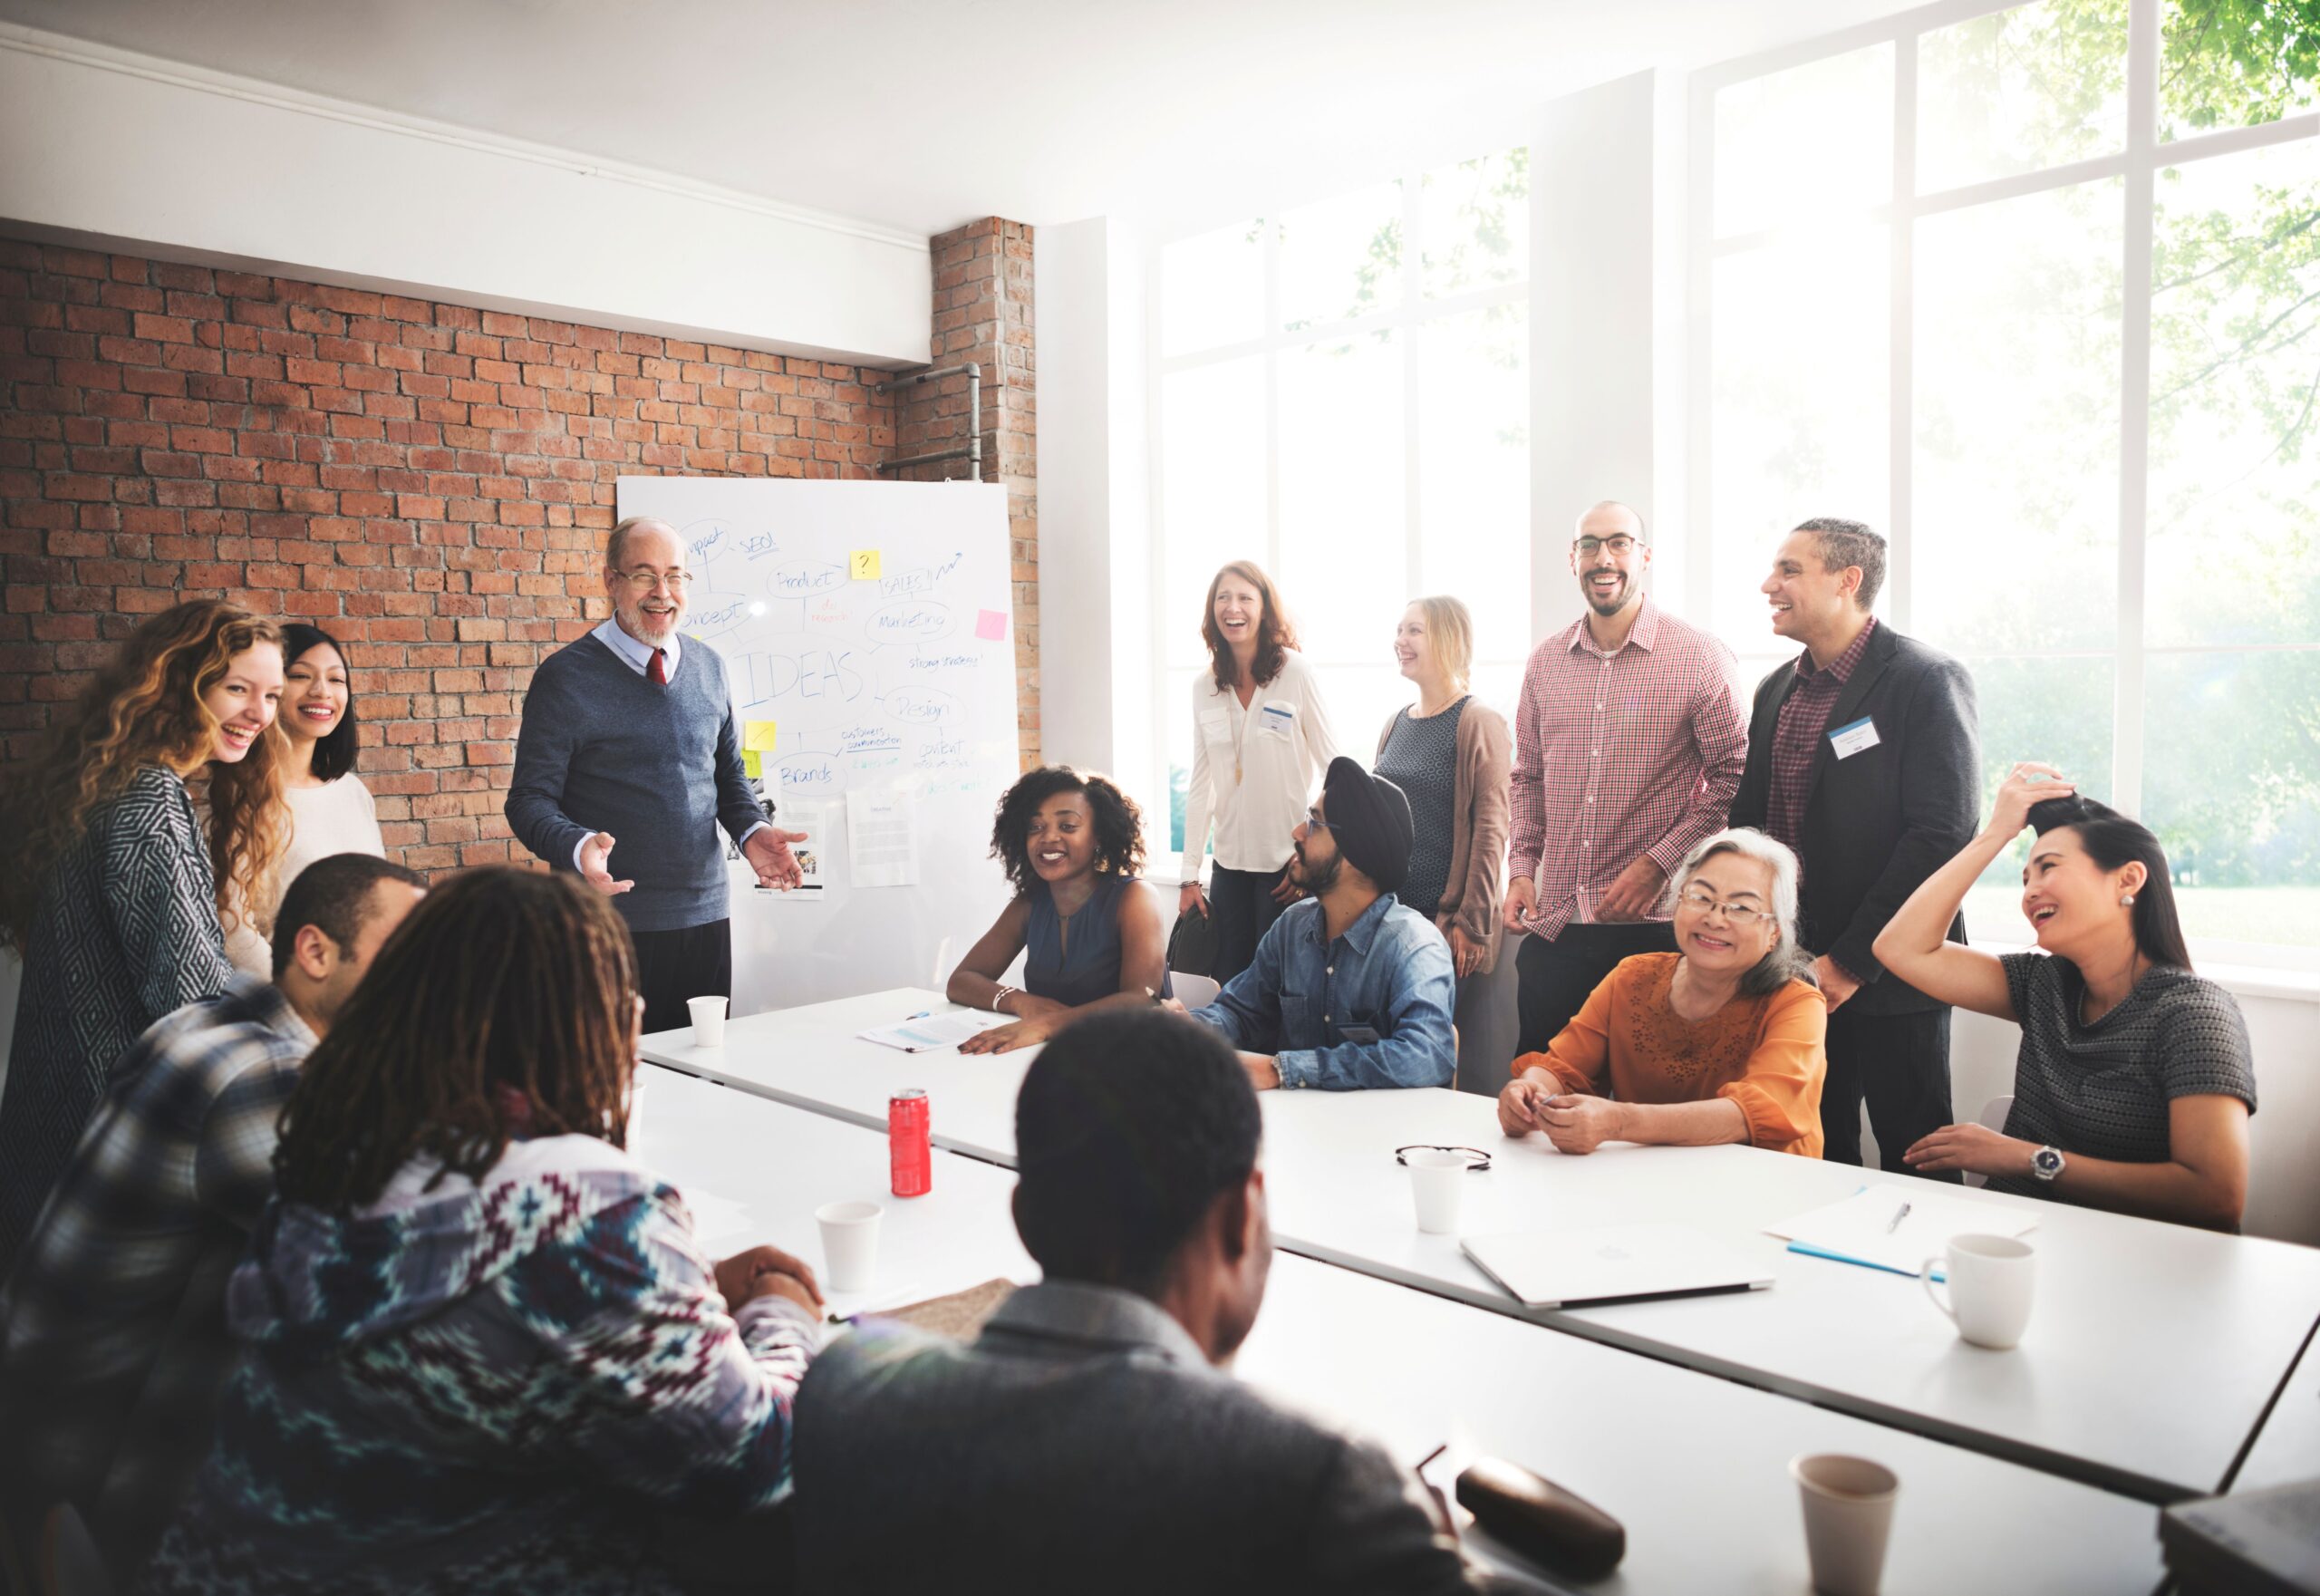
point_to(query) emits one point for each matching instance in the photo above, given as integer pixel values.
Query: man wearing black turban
(1350, 987)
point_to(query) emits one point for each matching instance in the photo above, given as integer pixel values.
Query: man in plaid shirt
(1627, 747)
(115, 1350)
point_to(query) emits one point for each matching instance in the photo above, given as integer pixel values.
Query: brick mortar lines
(428, 481)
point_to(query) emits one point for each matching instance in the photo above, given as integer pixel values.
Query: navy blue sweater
(604, 748)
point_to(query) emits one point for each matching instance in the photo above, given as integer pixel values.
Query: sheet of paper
(882, 839)
(933, 1031)
(990, 625)
(862, 565)
(812, 854)
(756, 736)
(1863, 1228)
(960, 1315)
(715, 1219)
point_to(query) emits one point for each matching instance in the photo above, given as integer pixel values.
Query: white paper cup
(708, 1022)
(1438, 1183)
(1993, 1279)
(1848, 1514)
(849, 1244)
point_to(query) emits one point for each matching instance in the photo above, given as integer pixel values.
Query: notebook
(1869, 1228)
(1613, 1263)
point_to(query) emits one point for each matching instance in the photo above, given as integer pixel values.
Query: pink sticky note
(990, 625)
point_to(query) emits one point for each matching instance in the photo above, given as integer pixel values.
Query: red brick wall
(428, 482)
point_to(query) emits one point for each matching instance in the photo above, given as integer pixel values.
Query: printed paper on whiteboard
(881, 843)
(812, 852)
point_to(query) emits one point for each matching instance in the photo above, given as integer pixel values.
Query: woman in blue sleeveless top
(1072, 846)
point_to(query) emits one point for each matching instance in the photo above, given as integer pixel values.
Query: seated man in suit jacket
(1087, 1440)
(1863, 757)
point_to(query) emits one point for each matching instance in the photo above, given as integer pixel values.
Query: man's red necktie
(659, 668)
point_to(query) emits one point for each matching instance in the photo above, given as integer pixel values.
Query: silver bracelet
(998, 998)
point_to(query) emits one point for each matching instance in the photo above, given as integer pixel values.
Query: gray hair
(1785, 959)
(616, 545)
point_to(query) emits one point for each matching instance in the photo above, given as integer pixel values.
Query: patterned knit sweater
(485, 1389)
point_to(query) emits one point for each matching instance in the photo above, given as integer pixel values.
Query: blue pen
(922, 1014)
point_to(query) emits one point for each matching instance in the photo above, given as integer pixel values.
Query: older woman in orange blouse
(1719, 1041)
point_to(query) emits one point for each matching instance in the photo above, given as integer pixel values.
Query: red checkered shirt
(1630, 753)
(1804, 717)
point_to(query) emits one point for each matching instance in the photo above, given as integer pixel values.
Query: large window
(1343, 396)
(2037, 291)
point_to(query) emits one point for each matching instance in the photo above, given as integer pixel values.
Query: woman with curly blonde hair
(107, 888)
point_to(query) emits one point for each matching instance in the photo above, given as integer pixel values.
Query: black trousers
(673, 967)
(1554, 979)
(1898, 1063)
(1243, 903)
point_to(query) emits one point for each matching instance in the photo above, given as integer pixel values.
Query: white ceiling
(925, 113)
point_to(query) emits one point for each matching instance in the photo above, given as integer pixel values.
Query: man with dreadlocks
(115, 1350)
(484, 1344)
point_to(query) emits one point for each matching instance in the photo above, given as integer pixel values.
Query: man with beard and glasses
(1350, 988)
(1627, 747)
(629, 742)
(1864, 756)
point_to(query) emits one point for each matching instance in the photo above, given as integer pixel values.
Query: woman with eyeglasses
(1720, 1042)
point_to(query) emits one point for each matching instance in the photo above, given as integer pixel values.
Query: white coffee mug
(849, 1244)
(1991, 1283)
(1848, 1514)
(1438, 1183)
(708, 1022)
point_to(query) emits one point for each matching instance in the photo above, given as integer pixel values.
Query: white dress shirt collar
(637, 655)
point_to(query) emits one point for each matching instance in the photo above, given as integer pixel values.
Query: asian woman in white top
(330, 810)
(1261, 741)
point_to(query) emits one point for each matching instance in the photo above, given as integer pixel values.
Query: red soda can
(908, 1126)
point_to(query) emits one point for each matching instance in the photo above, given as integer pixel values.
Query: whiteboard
(891, 699)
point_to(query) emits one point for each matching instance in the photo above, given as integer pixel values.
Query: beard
(651, 628)
(1612, 607)
(1317, 880)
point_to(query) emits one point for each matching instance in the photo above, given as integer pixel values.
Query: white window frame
(1414, 311)
(2138, 163)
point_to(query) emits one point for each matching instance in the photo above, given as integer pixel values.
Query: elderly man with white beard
(629, 761)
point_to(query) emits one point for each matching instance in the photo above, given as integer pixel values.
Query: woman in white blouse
(1261, 741)
(331, 811)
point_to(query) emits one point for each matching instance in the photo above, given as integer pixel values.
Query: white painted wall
(1094, 541)
(113, 149)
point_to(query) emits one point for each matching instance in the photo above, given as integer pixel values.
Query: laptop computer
(1613, 1263)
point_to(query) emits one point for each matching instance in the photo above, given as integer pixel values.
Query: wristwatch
(2046, 1163)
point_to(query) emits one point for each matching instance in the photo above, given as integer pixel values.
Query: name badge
(1849, 740)
(1279, 719)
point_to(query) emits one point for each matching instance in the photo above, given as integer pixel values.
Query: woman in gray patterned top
(107, 887)
(2134, 1082)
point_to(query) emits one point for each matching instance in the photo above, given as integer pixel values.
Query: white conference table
(2287, 1448)
(1695, 1467)
(2152, 1353)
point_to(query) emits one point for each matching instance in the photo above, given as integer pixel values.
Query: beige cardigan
(1480, 817)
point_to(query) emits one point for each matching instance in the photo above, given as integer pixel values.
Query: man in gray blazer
(1864, 758)
(1088, 1439)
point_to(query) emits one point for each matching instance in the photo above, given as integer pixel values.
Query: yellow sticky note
(756, 736)
(753, 762)
(862, 565)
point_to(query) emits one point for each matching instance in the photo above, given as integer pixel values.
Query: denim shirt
(1389, 973)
